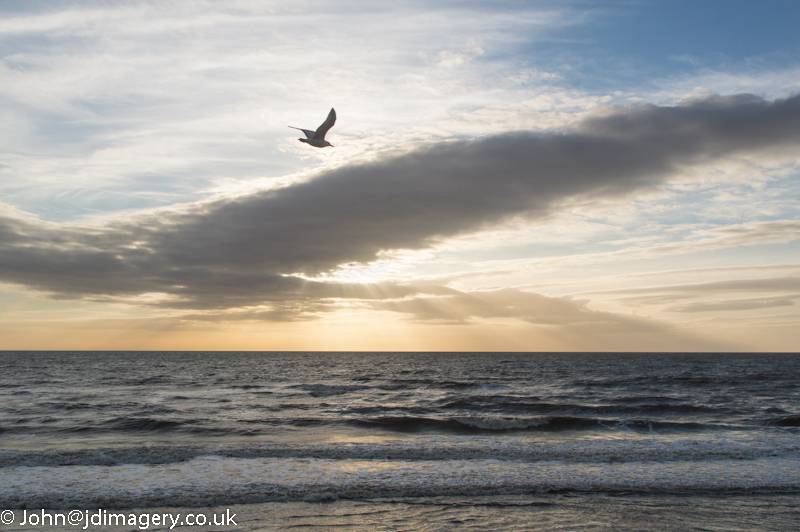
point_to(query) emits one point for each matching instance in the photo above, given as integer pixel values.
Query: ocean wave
(649, 380)
(152, 379)
(432, 447)
(515, 424)
(637, 399)
(326, 390)
(445, 384)
(786, 421)
(690, 379)
(518, 404)
(143, 424)
(215, 480)
(408, 420)
(151, 425)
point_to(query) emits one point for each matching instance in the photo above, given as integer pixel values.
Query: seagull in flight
(317, 138)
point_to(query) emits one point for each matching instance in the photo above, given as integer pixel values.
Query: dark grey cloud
(243, 250)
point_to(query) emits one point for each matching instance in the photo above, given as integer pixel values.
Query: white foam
(213, 480)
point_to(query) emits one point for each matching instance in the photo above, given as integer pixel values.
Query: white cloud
(159, 103)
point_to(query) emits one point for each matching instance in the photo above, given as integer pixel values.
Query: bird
(317, 138)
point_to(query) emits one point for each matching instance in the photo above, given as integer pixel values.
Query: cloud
(247, 250)
(736, 304)
(777, 295)
(662, 294)
(105, 107)
(459, 307)
(572, 322)
(588, 246)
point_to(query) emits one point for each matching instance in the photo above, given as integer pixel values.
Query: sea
(407, 441)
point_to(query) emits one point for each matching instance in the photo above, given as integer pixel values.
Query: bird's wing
(326, 125)
(309, 134)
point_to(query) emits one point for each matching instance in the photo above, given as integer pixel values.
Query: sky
(513, 176)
